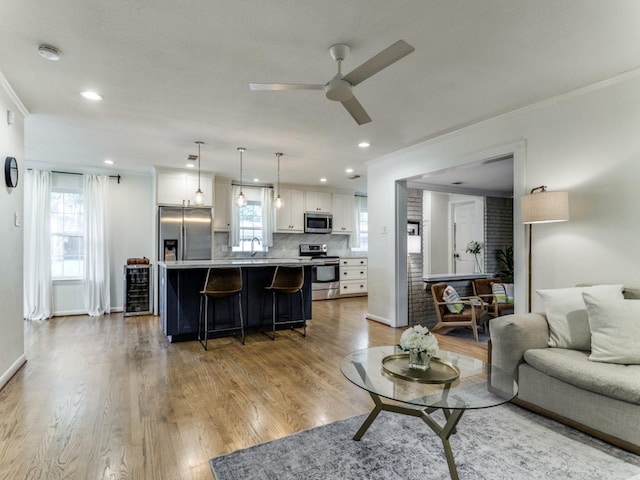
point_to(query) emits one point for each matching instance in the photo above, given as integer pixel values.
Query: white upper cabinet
(175, 188)
(290, 218)
(317, 202)
(222, 207)
(343, 213)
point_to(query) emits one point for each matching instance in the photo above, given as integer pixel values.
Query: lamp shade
(545, 207)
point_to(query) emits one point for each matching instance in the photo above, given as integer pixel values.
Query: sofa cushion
(615, 329)
(573, 366)
(567, 314)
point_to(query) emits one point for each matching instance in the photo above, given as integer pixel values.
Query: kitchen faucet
(254, 239)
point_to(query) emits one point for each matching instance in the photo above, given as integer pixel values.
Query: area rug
(504, 442)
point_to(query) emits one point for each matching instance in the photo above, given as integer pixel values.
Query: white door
(464, 223)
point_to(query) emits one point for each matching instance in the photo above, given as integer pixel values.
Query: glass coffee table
(454, 383)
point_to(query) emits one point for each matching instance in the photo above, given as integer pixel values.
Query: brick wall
(417, 297)
(498, 229)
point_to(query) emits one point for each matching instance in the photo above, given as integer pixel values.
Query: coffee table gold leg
(369, 420)
(444, 433)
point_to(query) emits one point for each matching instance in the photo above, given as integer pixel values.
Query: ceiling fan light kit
(340, 87)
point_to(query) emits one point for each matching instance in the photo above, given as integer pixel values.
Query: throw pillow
(450, 295)
(509, 289)
(567, 314)
(499, 292)
(615, 329)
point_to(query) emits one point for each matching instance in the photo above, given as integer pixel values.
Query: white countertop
(445, 277)
(239, 262)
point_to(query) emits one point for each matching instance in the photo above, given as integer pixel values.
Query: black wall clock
(11, 172)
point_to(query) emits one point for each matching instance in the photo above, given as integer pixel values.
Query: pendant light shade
(279, 201)
(199, 198)
(241, 200)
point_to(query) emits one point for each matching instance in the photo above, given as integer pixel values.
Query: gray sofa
(601, 399)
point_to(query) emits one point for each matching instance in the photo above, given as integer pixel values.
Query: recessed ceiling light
(49, 52)
(108, 161)
(349, 170)
(323, 179)
(364, 144)
(256, 179)
(89, 95)
(190, 165)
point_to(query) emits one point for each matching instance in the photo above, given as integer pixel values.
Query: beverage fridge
(184, 233)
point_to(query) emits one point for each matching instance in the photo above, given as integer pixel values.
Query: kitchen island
(180, 283)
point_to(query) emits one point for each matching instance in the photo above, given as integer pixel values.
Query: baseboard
(6, 376)
(579, 426)
(375, 318)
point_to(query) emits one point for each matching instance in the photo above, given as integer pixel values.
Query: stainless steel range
(326, 275)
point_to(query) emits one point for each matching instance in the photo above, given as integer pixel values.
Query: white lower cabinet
(353, 276)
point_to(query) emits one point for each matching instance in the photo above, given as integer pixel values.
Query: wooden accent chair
(482, 289)
(472, 315)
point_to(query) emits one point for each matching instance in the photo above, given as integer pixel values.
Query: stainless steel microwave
(318, 222)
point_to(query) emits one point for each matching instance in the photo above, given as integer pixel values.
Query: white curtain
(360, 207)
(234, 232)
(37, 245)
(97, 298)
(266, 198)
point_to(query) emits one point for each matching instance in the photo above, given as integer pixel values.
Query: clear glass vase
(419, 360)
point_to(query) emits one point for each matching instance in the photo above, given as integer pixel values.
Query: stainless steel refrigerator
(184, 233)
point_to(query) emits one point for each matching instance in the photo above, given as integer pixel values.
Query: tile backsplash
(285, 245)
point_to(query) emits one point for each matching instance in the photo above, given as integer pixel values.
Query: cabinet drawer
(353, 273)
(351, 287)
(353, 262)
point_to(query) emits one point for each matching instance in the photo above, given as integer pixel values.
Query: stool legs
(204, 322)
(274, 316)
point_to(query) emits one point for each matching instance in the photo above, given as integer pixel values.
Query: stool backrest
(223, 280)
(289, 278)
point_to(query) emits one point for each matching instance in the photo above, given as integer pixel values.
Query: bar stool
(287, 281)
(220, 283)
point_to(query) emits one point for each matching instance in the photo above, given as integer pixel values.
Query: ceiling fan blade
(356, 110)
(285, 86)
(378, 62)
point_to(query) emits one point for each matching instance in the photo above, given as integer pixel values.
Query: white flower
(419, 339)
(474, 247)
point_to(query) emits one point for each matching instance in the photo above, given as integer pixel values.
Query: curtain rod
(78, 173)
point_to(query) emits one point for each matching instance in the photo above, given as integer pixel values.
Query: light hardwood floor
(110, 398)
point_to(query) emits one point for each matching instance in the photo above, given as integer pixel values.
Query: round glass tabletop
(453, 381)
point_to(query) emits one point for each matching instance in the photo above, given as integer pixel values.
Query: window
(251, 228)
(362, 225)
(67, 231)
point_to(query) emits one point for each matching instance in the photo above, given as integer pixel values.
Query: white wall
(11, 237)
(131, 234)
(586, 143)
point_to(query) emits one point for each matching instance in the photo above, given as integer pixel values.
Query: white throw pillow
(615, 329)
(567, 314)
(508, 287)
(450, 295)
(499, 292)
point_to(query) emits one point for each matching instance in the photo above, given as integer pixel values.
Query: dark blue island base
(179, 301)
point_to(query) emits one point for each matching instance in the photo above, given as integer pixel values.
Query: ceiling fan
(340, 87)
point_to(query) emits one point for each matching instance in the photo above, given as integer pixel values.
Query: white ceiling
(174, 72)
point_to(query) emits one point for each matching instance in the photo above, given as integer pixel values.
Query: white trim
(6, 376)
(6, 86)
(378, 319)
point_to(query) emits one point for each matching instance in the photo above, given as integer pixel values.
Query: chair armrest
(512, 335)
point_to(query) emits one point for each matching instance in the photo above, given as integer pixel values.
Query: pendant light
(199, 198)
(279, 201)
(241, 200)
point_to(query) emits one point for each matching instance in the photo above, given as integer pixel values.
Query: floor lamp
(541, 206)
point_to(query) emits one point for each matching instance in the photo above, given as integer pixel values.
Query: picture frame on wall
(413, 228)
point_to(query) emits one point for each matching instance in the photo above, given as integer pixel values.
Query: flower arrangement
(419, 339)
(474, 247)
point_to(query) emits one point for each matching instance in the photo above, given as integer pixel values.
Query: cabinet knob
(344, 287)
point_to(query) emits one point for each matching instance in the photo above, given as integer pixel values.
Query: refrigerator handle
(183, 239)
